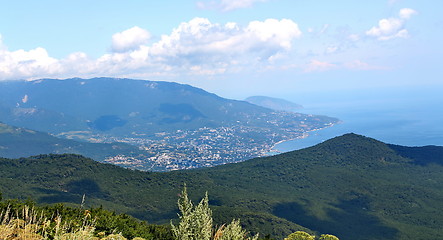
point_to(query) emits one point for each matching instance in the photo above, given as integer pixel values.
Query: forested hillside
(351, 186)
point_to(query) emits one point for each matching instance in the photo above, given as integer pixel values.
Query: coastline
(306, 134)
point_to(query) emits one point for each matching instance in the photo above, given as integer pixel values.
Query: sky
(235, 48)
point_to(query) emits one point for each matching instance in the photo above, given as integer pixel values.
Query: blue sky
(234, 48)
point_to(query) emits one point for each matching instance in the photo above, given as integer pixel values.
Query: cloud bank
(197, 47)
(202, 48)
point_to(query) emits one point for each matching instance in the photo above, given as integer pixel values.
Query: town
(206, 147)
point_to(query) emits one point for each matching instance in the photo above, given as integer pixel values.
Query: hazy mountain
(274, 103)
(119, 106)
(351, 186)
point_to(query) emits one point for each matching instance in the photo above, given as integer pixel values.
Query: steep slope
(350, 186)
(421, 155)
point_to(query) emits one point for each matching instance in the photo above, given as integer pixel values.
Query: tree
(196, 223)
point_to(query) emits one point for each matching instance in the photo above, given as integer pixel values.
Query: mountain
(21, 142)
(120, 106)
(180, 125)
(277, 104)
(351, 186)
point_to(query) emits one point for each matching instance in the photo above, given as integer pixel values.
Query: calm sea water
(405, 120)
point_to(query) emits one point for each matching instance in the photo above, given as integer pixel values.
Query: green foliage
(86, 222)
(300, 235)
(347, 181)
(328, 237)
(232, 231)
(195, 222)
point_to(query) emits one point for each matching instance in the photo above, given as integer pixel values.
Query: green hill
(351, 186)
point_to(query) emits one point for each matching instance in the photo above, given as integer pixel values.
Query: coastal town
(206, 147)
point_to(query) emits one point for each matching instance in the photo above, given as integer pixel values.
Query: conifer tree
(196, 223)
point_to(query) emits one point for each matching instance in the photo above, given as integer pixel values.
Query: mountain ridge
(351, 186)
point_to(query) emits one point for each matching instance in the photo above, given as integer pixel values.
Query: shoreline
(306, 134)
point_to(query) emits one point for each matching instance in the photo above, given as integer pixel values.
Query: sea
(408, 118)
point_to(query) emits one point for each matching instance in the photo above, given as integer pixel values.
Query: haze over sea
(409, 117)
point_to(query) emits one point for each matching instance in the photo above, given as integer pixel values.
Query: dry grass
(32, 225)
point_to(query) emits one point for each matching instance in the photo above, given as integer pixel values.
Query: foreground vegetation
(25, 221)
(351, 186)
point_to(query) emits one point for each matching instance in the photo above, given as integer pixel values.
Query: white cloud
(276, 32)
(392, 27)
(386, 29)
(200, 41)
(406, 13)
(129, 39)
(27, 64)
(227, 5)
(197, 47)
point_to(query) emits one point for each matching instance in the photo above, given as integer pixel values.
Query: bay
(402, 120)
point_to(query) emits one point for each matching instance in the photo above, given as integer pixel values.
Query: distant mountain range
(179, 125)
(120, 107)
(274, 103)
(351, 186)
